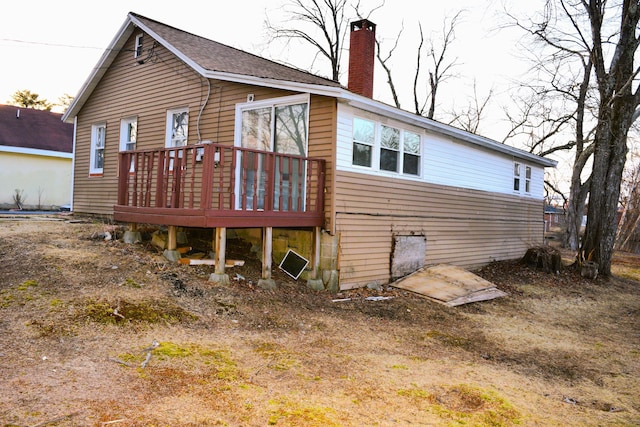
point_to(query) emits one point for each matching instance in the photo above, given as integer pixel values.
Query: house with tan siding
(182, 132)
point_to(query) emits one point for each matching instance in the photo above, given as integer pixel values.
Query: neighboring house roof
(548, 209)
(31, 129)
(217, 61)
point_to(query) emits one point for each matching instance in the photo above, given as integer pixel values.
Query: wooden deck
(211, 185)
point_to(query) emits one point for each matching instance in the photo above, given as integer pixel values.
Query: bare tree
(628, 235)
(618, 101)
(309, 18)
(601, 36)
(470, 117)
(321, 24)
(383, 60)
(440, 67)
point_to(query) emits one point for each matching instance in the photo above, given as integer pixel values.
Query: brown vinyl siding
(147, 91)
(322, 131)
(463, 227)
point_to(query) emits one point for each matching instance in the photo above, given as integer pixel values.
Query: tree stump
(543, 258)
(589, 270)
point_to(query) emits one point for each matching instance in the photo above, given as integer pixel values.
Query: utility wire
(58, 44)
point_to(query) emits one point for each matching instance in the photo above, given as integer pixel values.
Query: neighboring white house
(35, 159)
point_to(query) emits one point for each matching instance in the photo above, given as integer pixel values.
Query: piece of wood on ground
(228, 263)
(449, 285)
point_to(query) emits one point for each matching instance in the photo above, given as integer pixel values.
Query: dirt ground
(77, 314)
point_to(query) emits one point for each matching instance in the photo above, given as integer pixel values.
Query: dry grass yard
(77, 312)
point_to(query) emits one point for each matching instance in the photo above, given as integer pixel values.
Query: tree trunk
(608, 164)
(577, 198)
(617, 104)
(575, 213)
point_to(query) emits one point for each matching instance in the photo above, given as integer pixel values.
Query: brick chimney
(362, 46)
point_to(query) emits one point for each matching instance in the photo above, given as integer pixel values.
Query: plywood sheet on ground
(450, 285)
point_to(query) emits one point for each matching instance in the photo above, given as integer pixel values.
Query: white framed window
(177, 127)
(98, 136)
(364, 137)
(279, 124)
(137, 51)
(390, 149)
(521, 178)
(411, 153)
(128, 133)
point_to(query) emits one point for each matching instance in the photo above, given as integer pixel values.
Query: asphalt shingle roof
(214, 56)
(35, 129)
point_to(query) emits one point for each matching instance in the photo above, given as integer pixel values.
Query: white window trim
(124, 131)
(273, 103)
(377, 147)
(92, 156)
(527, 179)
(375, 157)
(169, 126)
(137, 49)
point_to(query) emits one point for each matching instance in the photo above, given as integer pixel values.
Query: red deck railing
(211, 185)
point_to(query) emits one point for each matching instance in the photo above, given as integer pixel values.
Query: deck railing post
(160, 199)
(269, 175)
(207, 175)
(123, 184)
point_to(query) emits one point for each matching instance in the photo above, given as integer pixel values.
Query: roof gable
(211, 56)
(34, 129)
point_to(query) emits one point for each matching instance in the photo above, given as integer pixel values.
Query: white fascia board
(35, 152)
(99, 70)
(334, 92)
(377, 107)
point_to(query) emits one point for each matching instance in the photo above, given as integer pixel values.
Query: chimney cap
(363, 24)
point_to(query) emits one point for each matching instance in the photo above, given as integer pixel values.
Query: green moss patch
(463, 404)
(124, 312)
(289, 412)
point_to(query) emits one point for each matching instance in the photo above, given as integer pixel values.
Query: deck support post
(267, 255)
(132, 235)
(314, 280)
(171, 252)
(220, 245)
(172, 238)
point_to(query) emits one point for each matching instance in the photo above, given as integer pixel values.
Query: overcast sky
(50, 47)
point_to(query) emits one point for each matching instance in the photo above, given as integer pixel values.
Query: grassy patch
(450, 340)
(27, 284)
(191, 355)
(124, 312)
(296, 413)
(467, 405)
(464, 405)
(281, 358)
(18, 295)
(131, 283)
